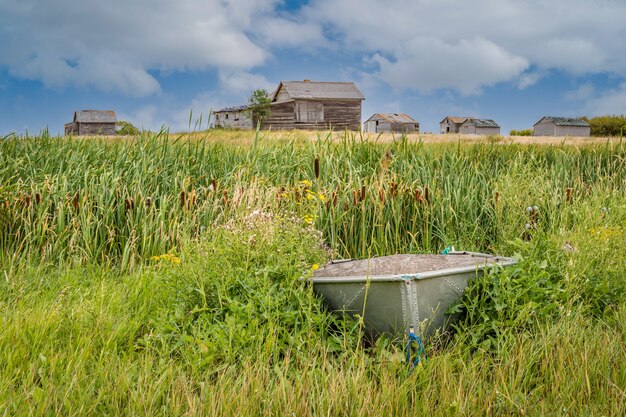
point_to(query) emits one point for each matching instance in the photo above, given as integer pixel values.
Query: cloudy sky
(155, 61)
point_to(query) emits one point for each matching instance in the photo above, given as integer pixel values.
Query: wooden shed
(233, 118)
(92, 122)
(391, 122)
(451, 124)
(473, 126)
(561, 126)
(313, 105)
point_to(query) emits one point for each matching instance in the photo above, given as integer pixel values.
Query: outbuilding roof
(565, 121)
(455, 120)
(393, 118)
(320, 90)
(95, 116)
(481, 122)
(230, 109)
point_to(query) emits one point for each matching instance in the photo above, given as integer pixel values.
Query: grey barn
(92, 122)
(391, 122)
(479, 127)
(313, 105)
(561, 126)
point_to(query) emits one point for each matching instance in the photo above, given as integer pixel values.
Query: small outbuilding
(92, 122)
(451, 124)
(391, 123)
(314, 105)
(473, 126)
(561, 126)
(233, 118)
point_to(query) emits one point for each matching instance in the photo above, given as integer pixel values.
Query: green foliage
(524, 132)
(164, 276)
(258, 106)
(609, 125)
(125, 129)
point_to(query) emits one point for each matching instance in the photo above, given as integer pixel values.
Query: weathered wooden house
(315, 105)
(561, 126)
(473, 126)
(92, 122)
(391, 122)
(233, 118)
(451, 124)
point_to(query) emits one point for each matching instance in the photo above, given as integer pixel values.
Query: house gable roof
(564, 121)
(95, 116)
(393, 118)
(232, 109)
(455, 120)
(312, 90)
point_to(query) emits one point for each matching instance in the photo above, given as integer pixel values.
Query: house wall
(235, 120)
(453, 127)
(282, 95)
(107, 129)
(282, 116)
(71, 129)
(335, 114)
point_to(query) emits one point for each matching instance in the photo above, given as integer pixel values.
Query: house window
(309, 112)
(226, 116)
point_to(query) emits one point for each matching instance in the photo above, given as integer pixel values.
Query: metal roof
(481, 122)
(565, 121)
(320, 90)
(95, 116)
(236, 108)
(393, 118)
(455, 120)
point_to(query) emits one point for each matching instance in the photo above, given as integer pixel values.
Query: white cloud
(465, 44)
(429, 63)
(242, 81)
(530, 78)
(609, 102)
(583, 92)
(117, 43)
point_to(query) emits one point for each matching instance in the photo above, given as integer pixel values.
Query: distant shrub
(525, 132)
(609, 125)
(124, 128)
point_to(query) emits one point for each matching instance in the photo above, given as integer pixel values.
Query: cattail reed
(183, 197)
(381, 195)
(37, 198)
(355, 197)
(427, 194)
(225, 197)
(418, 195)
(362, 193)
(129, 204)
(394, 189)
(75, 201)
(148, 202)
(568, 195)
(316, 167)
(497, 197)
(334, 198)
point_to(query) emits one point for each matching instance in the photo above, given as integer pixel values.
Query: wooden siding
(336, 114)
(282, 95)
(386, 127)
(282, 116)
(82, 129)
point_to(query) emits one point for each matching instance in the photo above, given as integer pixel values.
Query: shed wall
(572, 131)
(544, 128)
(487, 131)
(235, 120)
(107, 129)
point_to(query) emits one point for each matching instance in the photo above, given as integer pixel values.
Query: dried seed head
(316, 167)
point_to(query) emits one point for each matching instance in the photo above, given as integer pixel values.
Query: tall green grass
(160, 276)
